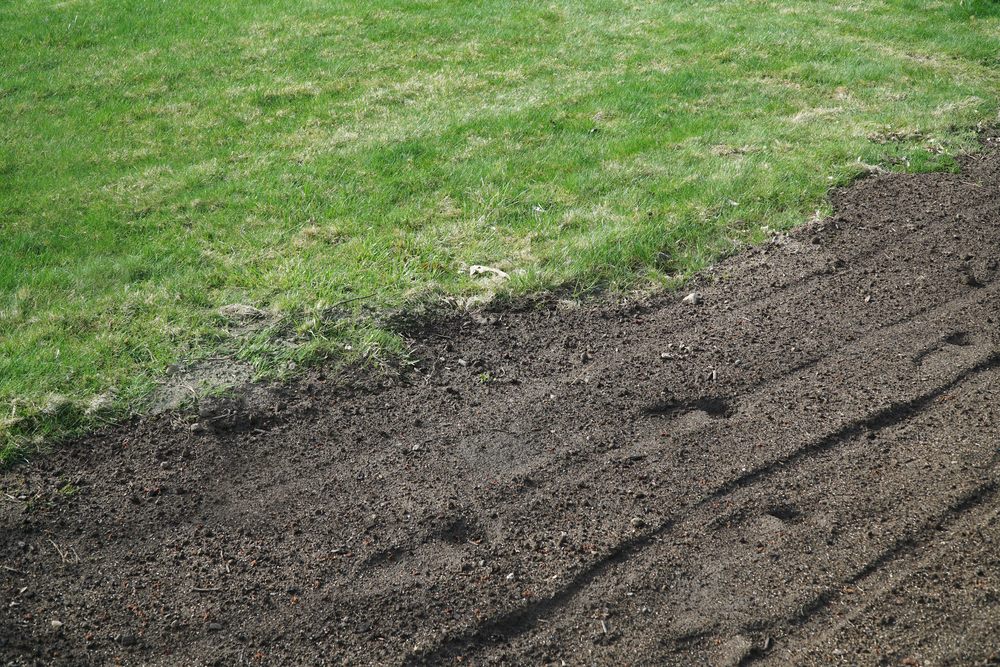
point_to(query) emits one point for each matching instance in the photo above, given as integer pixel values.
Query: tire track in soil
(907, 541)
(511, 624)
(876, 617)
(634, 482)
(767, 384)
(820, 609)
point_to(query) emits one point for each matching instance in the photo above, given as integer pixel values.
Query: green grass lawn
(161, 159)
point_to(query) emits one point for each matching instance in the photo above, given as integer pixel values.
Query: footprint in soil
(713, 406)
(386, 556)
(456, 530)
(960, 338)
(786, 513)
(953, 339)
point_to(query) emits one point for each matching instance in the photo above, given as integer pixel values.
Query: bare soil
(801, 469)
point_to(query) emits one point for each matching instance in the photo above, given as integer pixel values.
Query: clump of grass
(160, 160)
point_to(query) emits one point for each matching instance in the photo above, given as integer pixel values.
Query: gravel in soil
(798, 467)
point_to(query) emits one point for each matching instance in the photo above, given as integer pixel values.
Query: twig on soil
(63, 554)
(216, 418)
(352, 299)
(206, 590)
(431, 372)
(12, 569)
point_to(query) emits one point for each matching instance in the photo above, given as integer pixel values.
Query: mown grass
(161, 159)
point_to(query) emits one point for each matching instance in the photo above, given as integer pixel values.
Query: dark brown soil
(802, 469)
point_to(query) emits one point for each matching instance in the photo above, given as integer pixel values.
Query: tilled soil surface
(801, 469)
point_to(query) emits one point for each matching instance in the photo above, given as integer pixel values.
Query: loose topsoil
(800, 469)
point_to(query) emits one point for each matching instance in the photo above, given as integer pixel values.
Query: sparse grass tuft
(159, 160)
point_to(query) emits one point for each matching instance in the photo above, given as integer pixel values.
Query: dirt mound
(802, 468)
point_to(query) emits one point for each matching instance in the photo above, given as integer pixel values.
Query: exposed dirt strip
(801, 469)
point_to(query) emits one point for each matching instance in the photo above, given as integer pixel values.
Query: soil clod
(694, 298)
